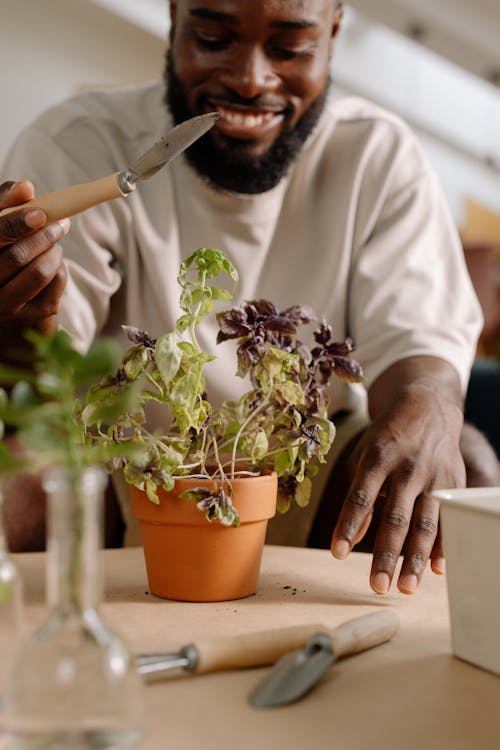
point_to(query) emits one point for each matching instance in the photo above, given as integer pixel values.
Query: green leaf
(135, 361)
(283, 461)
(168, 356)
(283, 504)
(101, 359)
(221, 295)
(260, 445)
(303, 492)
(152, 492)
(23, 396)
(183, 322)
(11, 375)
(112, 406)
(291, 393)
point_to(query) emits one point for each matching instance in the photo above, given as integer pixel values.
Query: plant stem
(194, 317)
(251, 416)
(219, 465)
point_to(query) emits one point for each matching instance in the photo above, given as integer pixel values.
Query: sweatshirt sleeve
(410, 291)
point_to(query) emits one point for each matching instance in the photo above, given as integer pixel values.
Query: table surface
(411, 693)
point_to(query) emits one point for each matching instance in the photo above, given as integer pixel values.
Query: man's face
(263, 65)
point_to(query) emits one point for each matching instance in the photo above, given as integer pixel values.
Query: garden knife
(77, 198)
(296, 672)
(261, 648)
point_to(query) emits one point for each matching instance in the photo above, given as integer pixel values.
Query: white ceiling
(467, 32)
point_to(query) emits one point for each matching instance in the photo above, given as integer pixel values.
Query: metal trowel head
(298, 671)
(294, 674)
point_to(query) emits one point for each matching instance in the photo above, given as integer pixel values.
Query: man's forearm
(24, 508)
(428, 372)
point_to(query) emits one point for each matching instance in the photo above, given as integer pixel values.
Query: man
(331, 204)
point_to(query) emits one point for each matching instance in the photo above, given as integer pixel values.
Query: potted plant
(220, 460)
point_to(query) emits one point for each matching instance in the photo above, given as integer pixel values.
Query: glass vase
(73, 685)
(10, 606)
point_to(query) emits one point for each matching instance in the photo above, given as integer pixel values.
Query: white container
(470, 527)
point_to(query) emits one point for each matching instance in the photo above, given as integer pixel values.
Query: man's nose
(251, 73)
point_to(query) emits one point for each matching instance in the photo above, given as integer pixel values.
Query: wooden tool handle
(364, 632)
(258, 649)
(74, 199)
(252, 649)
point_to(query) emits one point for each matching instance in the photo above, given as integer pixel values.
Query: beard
(226, 163)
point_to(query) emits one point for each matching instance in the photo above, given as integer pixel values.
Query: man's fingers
(28, 283)
(393, 528)
(364, 528)
(15, 193)
(47, 303)
(16, 226)
(420, 543)
(19, 255)
(438, 563)
(357, 508)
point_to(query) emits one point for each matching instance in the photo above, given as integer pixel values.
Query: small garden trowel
(72, 200)
(262, 648)
(298, 671)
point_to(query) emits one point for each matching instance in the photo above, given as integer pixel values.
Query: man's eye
(212, 42)
(285, 53)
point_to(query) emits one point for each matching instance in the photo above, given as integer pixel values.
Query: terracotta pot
(191, 559)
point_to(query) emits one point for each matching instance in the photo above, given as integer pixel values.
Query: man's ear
(337, 22)
(337, 19)
(173, 11)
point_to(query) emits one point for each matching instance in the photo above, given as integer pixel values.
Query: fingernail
(408, 583)
(340, 549)
(65, 223)
(35, 218)
(439, 565)
(381, 583)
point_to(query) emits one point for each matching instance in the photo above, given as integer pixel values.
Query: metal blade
(173, 144)
(148, 664)
(294, 674)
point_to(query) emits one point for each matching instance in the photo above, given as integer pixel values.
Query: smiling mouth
(246, 120)
(246, 123)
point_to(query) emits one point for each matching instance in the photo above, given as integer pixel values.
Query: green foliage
(44, 407)
(77, 410)
(281, 423)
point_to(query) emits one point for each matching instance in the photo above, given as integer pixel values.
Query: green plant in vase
(44, 406)
(74, 647)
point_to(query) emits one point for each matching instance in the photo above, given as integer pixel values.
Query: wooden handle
(74, 199)
(258, 649)
(252, 649)
(364, 632)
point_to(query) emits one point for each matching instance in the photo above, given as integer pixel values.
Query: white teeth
(246, 121)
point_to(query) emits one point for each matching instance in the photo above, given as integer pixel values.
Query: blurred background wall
(435, 63)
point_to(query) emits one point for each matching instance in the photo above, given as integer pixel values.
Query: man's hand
(410, 449)
(32, 270)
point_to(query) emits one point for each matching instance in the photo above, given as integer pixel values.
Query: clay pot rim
(254, 497)
(265, 476)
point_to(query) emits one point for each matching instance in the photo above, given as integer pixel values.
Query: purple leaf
(136, 336)
(348, 370)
